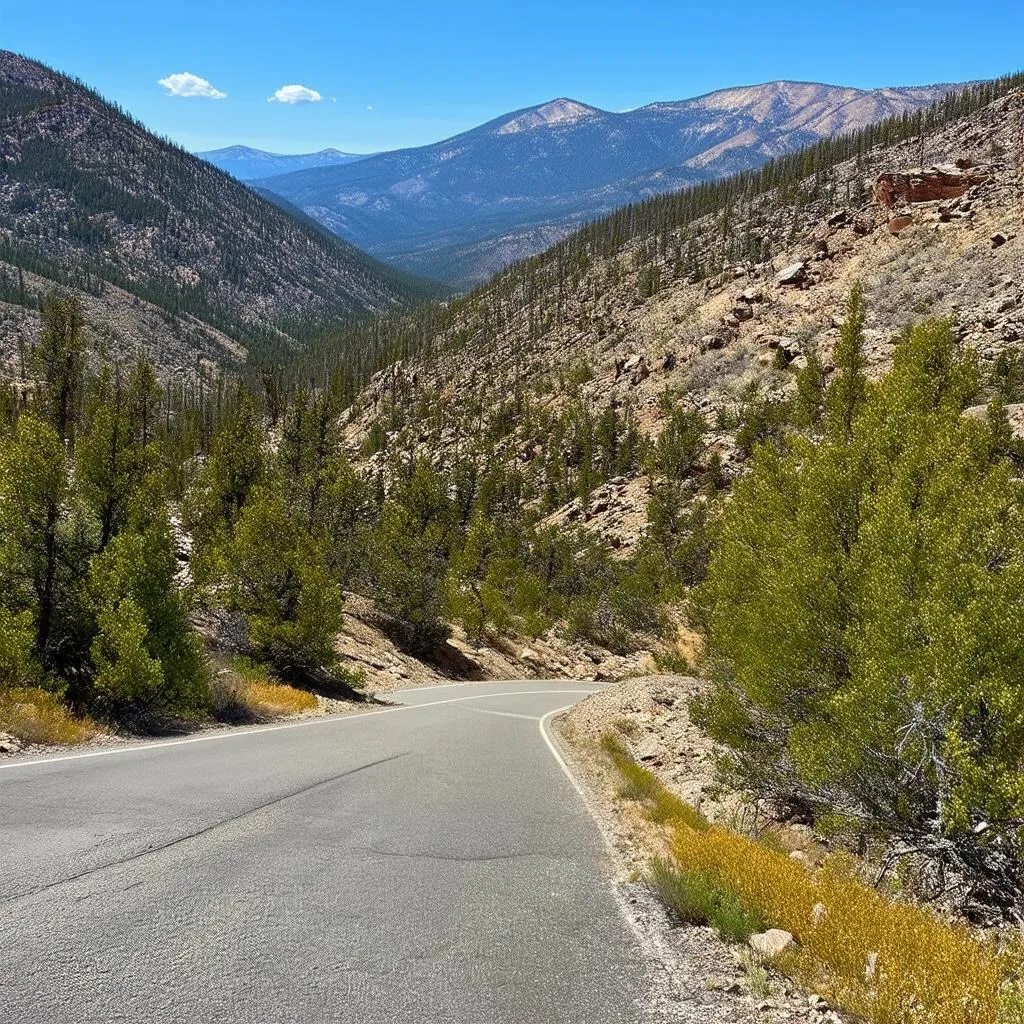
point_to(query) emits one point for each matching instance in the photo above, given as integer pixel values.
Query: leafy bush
(865, 618)
(18, 667)
(673, 662)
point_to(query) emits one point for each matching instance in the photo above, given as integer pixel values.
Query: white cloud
(184, 83)
(369, 108)
(295, 94)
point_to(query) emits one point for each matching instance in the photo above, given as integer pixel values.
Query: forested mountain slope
(162, 246)
(464, 208)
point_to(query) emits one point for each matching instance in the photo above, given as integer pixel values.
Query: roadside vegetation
(883, 961)
(127, 507)
(244, 691)
(35, 715)
(865, 624)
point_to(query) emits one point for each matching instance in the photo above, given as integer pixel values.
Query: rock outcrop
(897, 189)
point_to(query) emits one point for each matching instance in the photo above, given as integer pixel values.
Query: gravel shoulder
(701, 978)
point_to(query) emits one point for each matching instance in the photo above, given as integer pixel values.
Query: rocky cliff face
(462, 209)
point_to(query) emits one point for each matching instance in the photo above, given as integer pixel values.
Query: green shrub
(148, 662)
(866, 627)
(695, 899)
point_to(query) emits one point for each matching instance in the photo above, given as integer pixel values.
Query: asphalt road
(431, 863)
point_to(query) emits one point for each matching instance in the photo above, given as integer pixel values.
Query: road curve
(428, 863)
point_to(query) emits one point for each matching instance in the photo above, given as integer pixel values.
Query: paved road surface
(427, 864)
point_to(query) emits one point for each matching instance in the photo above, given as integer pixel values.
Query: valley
(463, 209)
(160, 244)
(630, 583)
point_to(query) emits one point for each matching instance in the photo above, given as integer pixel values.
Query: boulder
(751, 295)
(998, 239)
(631, 363)
(9, 743)
(742, 312)
(795, 273)
(772, 942)
(898, 224)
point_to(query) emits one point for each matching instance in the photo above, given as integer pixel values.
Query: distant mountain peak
(556, 112)
(248, 164)
(465, 207)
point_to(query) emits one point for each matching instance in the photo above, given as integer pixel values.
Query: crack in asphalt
(450, 856)
(159, 848)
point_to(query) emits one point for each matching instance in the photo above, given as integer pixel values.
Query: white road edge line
(327, 720)
(504, 714)
(558, 757)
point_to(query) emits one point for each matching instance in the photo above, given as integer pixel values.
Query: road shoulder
(695, 975)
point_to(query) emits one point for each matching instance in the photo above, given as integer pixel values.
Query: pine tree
(148, 662)
(42, 557)
(58, 363)
(114, 454)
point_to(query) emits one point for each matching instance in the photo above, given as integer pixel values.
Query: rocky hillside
(163, 247)
(657, 308)
(464, 208)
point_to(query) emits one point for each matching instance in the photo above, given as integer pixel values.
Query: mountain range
(461, 209)
(165, 250)
(247, 164)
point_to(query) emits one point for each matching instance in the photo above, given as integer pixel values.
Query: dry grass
(277, 699)
(885, 962)
(244, 691)
(661, 804)
(38, 716)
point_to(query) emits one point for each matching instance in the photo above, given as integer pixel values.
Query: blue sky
(393, 74)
